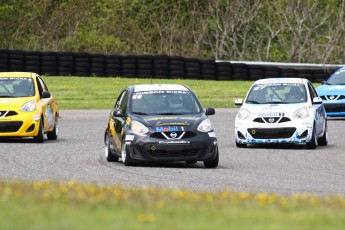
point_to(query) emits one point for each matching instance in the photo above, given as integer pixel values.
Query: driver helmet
(26, 87)
(175, 101)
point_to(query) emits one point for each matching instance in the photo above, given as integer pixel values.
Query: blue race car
(332, 92)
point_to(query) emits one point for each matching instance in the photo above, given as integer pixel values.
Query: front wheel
(323, 141)
(53, 135)
(40, 135)
(108, 151)
(313, 141)
(213, 163)
(125, 155)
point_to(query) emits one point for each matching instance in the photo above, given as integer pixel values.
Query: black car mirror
(210, 111)
(117, 113)
(45, 94)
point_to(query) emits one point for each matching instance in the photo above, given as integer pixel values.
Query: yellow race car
(27, 109)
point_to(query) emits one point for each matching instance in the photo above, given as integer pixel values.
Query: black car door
(120, 121)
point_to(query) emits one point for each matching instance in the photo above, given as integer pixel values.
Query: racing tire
(109, 156)
(212, 163)
(323, 141)
(125, 155)
(313, 141)
(40, 135)
(238, 145)
(53, 135)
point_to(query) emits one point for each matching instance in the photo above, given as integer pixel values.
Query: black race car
(160, 123)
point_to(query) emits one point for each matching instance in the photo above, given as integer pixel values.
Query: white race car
(281, 110)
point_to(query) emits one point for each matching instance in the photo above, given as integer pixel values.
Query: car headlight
(205, 126)
(138, 128)
(28, 107)
(301, 113)
(243, 114)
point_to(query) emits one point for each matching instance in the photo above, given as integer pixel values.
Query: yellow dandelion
(160, 204)
(146, 218)
(262, 198)
(244, 195)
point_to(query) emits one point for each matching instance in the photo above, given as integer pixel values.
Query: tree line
(302, 31)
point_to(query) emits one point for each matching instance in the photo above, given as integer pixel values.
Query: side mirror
(117, 113)
(238, 101)
(45, 94)
(323, 82)
(210, 111)
(317, 100)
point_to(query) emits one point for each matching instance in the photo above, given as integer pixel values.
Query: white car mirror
(317, 100)
(238, 101)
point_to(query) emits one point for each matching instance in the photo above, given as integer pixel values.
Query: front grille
(10, 126)
(7, 113)
(272, 133)
(271, 119)
(159, 135)
(174, 153)
(334, 108)
(332, 97)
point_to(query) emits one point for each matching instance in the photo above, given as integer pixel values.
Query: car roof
(17, 74)
(150, 87)
(281, 80)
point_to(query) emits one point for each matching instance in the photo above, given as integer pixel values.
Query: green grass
(101, 93)
(47, 205)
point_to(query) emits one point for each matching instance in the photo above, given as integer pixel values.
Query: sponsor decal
(171, 118)
(167, 129)
(7, 101)
(212, 134)
(271, 114)
(129, 138)
(172, 123)
(174, 142)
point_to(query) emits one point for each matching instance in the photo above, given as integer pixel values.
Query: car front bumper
(21, 125)
(335, 108)
(298, 131)
(199, 148)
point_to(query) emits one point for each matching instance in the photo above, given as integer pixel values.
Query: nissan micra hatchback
(160, 123)
(27, 109)
(281, 110)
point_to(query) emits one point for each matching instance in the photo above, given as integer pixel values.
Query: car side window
(312, 91)
(40, 86)
(42, 83)
(119, 99)
(122, 101)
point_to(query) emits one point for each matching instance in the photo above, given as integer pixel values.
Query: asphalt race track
(78, 154)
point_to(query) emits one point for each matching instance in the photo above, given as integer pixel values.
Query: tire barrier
(150, 66)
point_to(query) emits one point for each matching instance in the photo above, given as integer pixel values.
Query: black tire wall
(150, 66)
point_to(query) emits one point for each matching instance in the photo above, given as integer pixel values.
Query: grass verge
(101, 93)
(70, 205)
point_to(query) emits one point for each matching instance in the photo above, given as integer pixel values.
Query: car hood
(331, 90)
(13, 103)
(273, 110)
(170, 120)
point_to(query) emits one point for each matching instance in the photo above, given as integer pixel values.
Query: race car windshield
(16, 87)
(338, 78)
(277, 93)
(164, 102)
